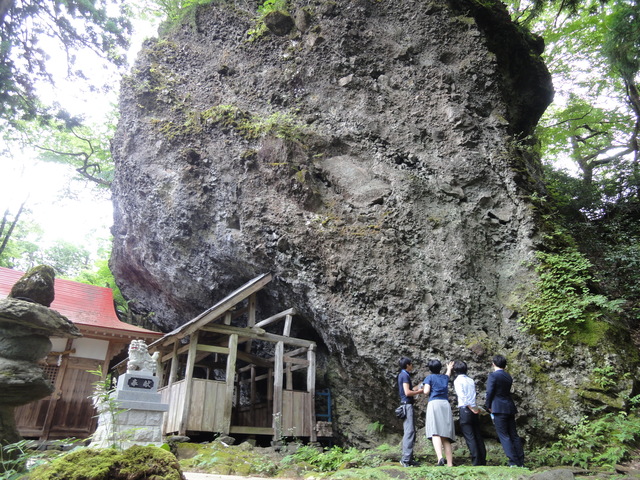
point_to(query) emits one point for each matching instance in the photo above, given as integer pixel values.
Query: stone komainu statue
(139, 358)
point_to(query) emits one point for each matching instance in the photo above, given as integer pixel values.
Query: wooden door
(68, 411)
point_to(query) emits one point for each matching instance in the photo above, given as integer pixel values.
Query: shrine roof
(85, 305)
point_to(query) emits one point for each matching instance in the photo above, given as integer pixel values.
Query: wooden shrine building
(223, 372)
(68, 411)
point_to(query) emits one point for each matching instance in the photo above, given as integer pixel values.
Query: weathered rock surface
(370, 160)
(36, 286)
(25, 328)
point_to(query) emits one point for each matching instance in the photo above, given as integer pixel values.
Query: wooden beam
(297, 361)
(231, 377)
(247, 357)
(276, 317)
(264, 376)
(249, 332)
(251, 430)
(217, 310)
(191, 360)
(256, 333)
(213, 349)
(296, 352)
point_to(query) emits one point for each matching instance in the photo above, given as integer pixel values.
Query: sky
(67, 209)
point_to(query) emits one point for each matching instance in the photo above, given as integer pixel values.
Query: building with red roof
(68, 411)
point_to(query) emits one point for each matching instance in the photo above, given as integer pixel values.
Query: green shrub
(561, 300)
(176, 9)
(600, 442)
(328, 460)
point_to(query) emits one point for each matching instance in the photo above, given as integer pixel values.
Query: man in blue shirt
(407, 392)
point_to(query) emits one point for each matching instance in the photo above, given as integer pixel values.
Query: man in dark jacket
(503, 411)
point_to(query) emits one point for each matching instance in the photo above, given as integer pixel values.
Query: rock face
(369, 159)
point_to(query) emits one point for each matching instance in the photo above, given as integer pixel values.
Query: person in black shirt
(407, 392)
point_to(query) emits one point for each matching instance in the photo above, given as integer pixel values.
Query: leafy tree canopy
(30, 30)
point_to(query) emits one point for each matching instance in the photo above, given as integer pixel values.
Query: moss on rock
(135, 463)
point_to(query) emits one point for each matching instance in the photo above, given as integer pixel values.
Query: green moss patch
(135, 463)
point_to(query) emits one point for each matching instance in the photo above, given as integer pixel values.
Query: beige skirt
(440, 420)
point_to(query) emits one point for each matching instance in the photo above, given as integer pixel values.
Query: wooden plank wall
(207, 401)
(296, 418)
(174, 396)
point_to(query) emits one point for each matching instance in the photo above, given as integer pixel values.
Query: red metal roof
(85, 305)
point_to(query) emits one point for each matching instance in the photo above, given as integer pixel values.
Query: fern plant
(562, 300)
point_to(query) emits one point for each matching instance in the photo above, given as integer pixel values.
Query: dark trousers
(511, 444)
(470, 426)
(409, 437)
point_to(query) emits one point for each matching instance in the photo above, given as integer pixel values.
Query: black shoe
(413, 463)
(405, 464)
(441, 463)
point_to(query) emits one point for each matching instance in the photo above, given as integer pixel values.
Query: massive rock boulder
(374, 159)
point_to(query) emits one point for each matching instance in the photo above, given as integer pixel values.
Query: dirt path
(213, 476)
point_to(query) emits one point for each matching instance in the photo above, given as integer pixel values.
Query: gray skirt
(440, 420)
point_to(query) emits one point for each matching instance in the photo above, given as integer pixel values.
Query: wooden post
(252, 398)
(188, 377)
(277, 392)
(231, 377)
(270, 377)
(311, 388)
(289, 376)
(251, 319)
(287, 326)
(173, 371)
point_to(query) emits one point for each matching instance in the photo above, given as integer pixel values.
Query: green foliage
(14, 458)
(66, 258)
(106, 403)
(331, 459)
(71, 26)
(267, 7)
(605, 441)
(175, 10)
(375, 428)
(86, 148)
(622, 40)
(19, 245)
(562, 300)
(101, 276)
(605, 377)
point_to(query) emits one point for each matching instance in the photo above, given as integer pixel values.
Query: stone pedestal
(133, 415)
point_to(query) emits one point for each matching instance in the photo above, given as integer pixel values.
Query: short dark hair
(460, 367)
(499, 361)
(403, 362)
(435, 366)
